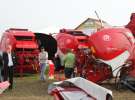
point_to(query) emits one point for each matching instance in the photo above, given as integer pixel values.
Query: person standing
(43, 58)
(1, 66)
(69, 63)
(9, 61)
(57, 63)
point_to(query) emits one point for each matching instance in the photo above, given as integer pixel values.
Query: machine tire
(109, 97)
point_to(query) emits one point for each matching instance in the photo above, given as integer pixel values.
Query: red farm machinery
(105, 54)
(26, 45)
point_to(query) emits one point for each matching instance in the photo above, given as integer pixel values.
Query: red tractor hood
(26, 44)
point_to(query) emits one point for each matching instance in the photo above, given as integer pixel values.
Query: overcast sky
(39, 14)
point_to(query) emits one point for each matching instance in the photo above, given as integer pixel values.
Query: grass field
(31, 88)
(28, 88)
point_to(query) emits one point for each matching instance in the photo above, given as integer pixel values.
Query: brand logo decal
(106, 38)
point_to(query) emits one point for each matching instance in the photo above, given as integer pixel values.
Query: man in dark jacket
(1, 66)
(9, 60)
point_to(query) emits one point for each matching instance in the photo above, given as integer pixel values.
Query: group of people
(7, 65)
(8, 62)
(68, 59)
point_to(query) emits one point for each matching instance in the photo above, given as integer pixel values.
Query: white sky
(39, 14)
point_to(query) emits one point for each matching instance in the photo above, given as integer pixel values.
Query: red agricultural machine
(26, 45)
(105, 54)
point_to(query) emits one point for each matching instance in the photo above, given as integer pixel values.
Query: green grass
(31, 88)
(28, 88)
